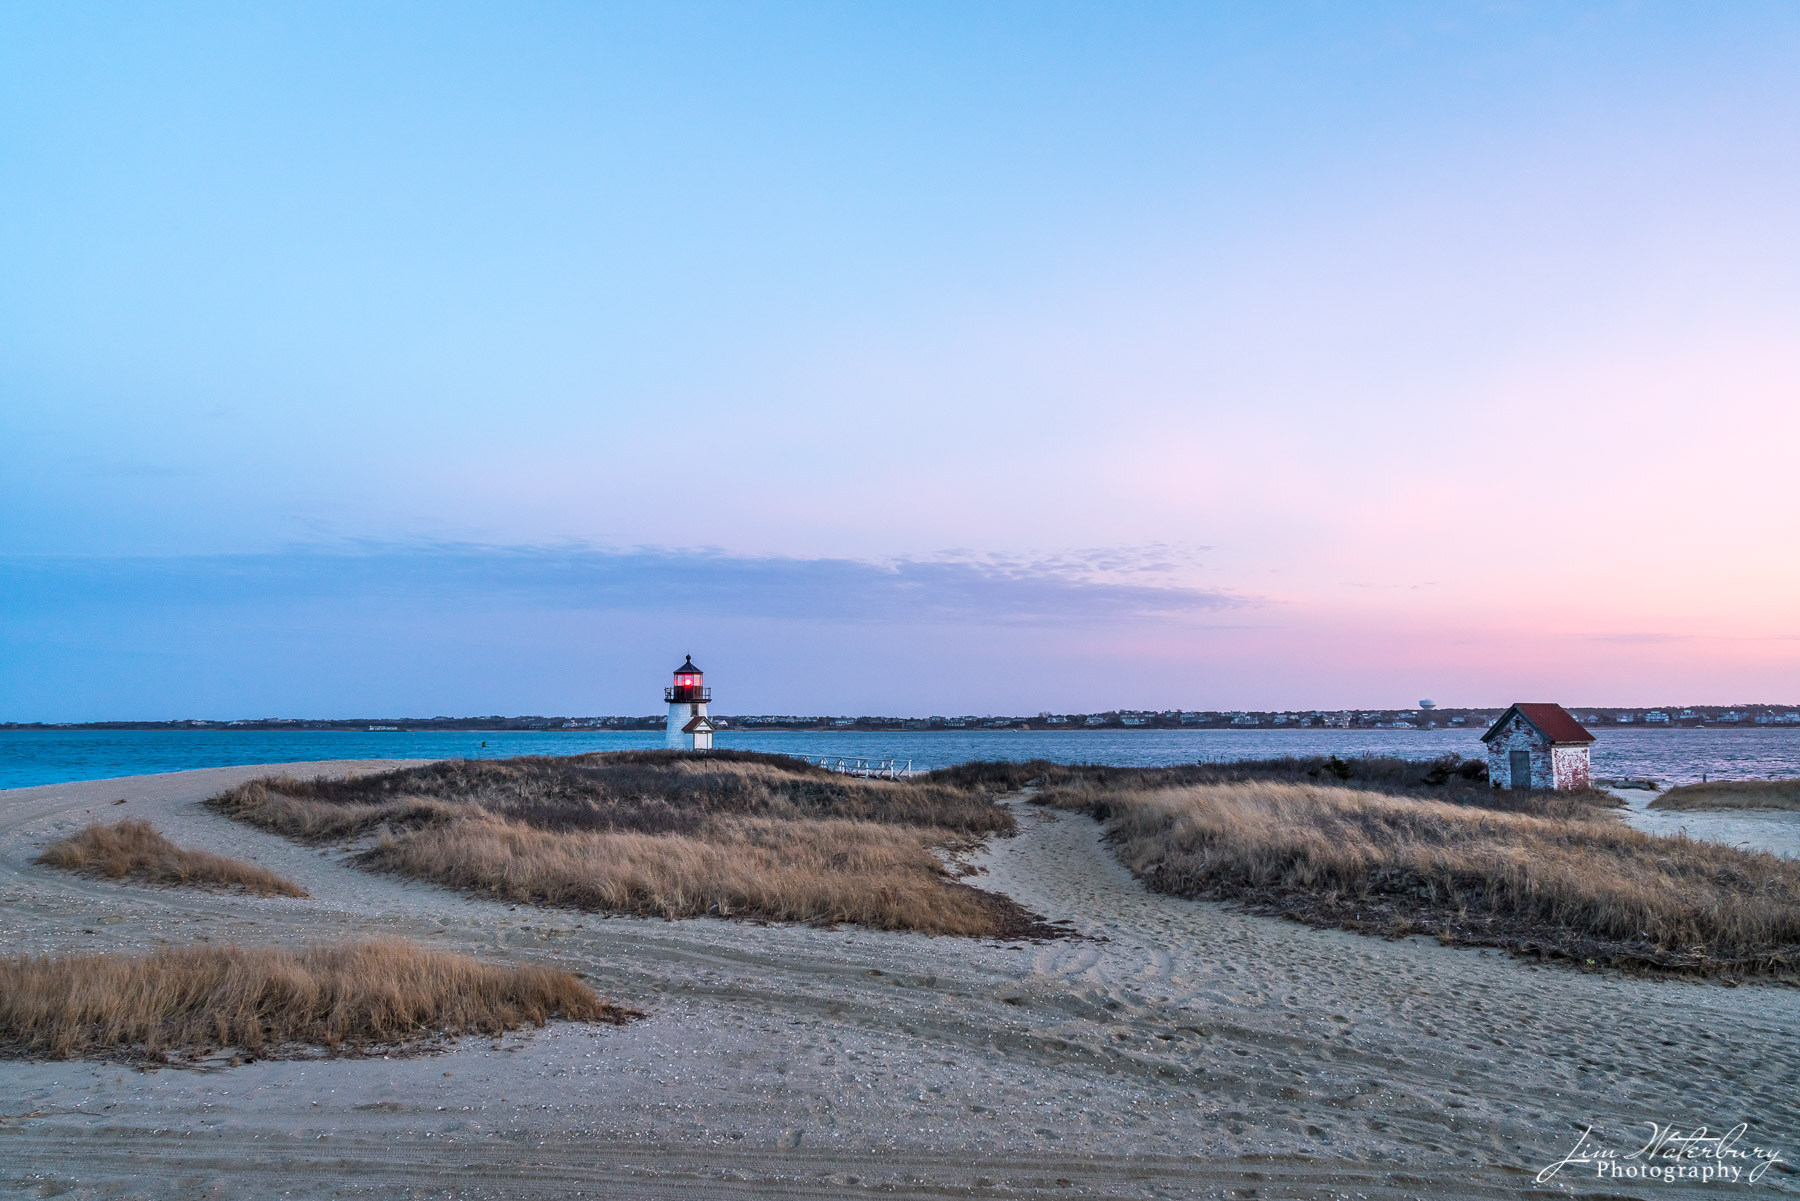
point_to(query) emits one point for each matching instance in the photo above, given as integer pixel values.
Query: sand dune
(1179, 1049)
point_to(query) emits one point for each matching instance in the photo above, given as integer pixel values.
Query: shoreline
(35, 758)
(182, 750)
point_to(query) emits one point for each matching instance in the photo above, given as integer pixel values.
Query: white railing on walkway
(879, 769)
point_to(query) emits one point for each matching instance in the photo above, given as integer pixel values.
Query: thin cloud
(1648, 639)
(641, 579)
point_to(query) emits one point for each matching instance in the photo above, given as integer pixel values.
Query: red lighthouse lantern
(687, 689)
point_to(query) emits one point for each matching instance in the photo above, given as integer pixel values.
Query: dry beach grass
(133, 849)
(1581, 889)
(1451, 780)
(186, 1003)
(665, 834)
(649, 792)
(823, 872)
(1732, 794)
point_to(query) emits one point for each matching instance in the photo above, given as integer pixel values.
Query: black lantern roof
(687, 667)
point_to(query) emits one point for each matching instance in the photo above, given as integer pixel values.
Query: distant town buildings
(1422, 718)
(1747, 718)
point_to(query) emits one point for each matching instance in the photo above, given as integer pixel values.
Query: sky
(407, 359)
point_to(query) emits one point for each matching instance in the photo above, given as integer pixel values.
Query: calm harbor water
(30, 757)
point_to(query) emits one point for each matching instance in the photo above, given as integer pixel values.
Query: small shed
(1538, 746)
(700, 731)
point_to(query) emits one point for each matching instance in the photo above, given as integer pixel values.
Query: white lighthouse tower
(689, 730)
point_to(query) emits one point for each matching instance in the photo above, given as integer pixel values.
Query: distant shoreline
(1595, 717)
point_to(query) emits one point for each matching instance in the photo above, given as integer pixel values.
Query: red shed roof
(1552, 721)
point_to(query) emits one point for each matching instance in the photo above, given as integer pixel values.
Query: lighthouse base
(689, 729)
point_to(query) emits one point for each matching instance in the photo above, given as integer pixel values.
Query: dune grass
(667, 834)
(134, 849)
(1732, 794)
(1575, 889)
(187, 1004)
(282, 805)
(650, 792)
(822, 872)
(1450, 779)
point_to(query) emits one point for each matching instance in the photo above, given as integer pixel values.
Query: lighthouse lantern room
(689, 729)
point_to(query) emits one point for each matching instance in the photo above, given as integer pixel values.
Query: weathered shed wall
(1518, 734)
(1571, 766)
(1551, 766)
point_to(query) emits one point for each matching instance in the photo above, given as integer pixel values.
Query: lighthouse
(689, 730)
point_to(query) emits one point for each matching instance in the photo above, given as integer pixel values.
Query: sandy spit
(1774, 830)
(1180, 1050)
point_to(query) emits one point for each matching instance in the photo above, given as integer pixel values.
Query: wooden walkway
(872, 769)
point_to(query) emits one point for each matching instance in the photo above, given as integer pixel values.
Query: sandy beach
(1774, 830)
(1177, 1049)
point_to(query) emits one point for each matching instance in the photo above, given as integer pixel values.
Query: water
(29, 757)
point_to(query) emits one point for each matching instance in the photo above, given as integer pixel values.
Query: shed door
(1521, 769)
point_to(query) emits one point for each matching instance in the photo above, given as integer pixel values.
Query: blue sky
(895, 358)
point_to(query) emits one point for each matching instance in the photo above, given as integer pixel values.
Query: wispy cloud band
(1076, 589)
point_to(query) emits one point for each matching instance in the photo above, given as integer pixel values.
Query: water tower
(689, 729)
(1427, 704)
